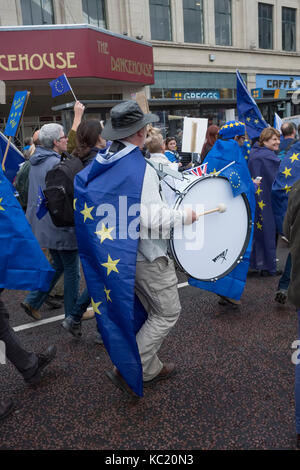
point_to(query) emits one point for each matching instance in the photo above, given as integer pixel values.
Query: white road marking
(27, 326)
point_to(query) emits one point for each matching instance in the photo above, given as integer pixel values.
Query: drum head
(213, 246)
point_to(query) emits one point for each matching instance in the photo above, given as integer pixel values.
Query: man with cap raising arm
(150, 266)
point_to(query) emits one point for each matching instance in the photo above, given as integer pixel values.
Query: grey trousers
(156, 287)
(25, 362)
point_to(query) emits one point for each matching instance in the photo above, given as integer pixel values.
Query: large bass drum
(213, 246)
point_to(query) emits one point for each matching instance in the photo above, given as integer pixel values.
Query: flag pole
(5, 154)
(70, 87)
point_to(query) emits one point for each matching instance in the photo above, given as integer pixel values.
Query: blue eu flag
(22, 262)
(13, 160)
(41, 205)
(288, 174)
(59, 86)
(248, 111)
(107, 197)
(224, 152)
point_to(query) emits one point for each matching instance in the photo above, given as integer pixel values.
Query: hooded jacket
(48, 235)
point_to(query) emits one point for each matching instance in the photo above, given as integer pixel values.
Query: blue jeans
(67, 262)
(81, 305)
(284, 281)
(297, 385)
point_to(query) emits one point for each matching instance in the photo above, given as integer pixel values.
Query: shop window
(37, 12)
(265, 25)
(160, 20)
(94, 12)
(223, 22)
(193, 20)
(288, 29)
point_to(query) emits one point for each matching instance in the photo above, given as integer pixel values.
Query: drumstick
(221, 208)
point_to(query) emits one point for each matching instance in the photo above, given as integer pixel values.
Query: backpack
(21, 183)
(59, 191)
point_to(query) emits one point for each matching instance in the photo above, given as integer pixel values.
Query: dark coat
(291, 229)
(265, 163)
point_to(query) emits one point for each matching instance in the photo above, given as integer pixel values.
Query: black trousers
(25, 362)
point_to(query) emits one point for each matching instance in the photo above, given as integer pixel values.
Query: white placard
(194, 131)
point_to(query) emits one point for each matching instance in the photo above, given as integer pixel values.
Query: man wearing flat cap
(144, 262)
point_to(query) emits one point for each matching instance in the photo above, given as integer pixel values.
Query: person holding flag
(227, 149)
(118, 206)
(264, 162)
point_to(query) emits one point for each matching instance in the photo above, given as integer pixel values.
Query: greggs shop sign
(43, 53)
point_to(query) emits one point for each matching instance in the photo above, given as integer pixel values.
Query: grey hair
(49, 133)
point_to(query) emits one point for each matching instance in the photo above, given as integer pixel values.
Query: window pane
(193, 20)
(223, 22)
(94, 12)
(265, 25)
(288, 29)
(37, 12)
(160, 19)
(26, 11)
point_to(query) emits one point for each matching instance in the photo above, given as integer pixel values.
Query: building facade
(197, 47)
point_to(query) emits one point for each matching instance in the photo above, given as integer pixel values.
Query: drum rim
(246, 243)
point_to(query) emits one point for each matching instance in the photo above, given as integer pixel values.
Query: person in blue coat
(264, 162)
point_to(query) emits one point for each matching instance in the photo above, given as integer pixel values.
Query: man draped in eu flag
(122, 226)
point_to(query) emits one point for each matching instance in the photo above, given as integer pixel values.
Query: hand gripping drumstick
(221, 208)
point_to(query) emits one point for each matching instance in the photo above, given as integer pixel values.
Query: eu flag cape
(288, 174)
(223, 153)
(265, 163)
(13, 160)
(107, 198)
(23, 265)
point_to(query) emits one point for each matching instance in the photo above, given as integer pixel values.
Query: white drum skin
(213, 246)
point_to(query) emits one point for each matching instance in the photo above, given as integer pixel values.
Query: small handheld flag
(41, 204)
(60, 86)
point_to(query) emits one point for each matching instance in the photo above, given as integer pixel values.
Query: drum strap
(162, 171)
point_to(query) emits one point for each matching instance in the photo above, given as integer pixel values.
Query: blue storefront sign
(274, 82)
(196, 94)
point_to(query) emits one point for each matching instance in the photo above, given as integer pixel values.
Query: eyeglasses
(62, 137)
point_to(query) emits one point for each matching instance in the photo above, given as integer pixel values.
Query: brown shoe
(120, 383)
(32, 312)
(88, 315)
(167, 371)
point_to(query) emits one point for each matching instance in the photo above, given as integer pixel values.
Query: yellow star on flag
(259, 190)
(261, 204)
(287, 172)
(107, 292)
(105, 233)
(111, 265)
(1, 208)
(287, 188)
(87, 212)
(74, 204)
(256, 121)
(294, 157)
(95, 306)
(248, 119)
(259, 226)
(231, 125)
